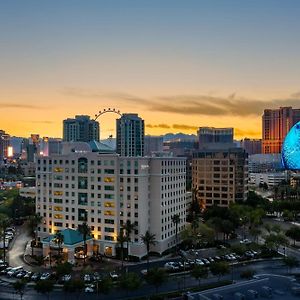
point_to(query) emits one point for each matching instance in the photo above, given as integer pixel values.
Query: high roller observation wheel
(107, 110)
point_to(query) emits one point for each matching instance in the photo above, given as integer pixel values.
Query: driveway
(17, 247)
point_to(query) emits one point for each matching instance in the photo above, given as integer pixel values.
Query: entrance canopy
(71, 237)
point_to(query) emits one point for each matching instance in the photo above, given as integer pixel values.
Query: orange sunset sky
(179, 65)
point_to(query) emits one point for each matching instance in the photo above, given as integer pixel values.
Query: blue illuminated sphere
(290, 154)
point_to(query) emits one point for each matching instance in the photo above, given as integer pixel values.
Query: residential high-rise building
(106, 191)
(276, 123)
(212, 138)
(252, 146)
(80, 129)
(153, 144)
(130, 135)
(220, 176)
(4, 144)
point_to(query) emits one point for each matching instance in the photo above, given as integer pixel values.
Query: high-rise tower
(130, 135)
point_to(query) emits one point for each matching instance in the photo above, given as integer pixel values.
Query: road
(174, 283)
(17, 248)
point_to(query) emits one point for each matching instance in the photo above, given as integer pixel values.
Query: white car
(90, 289)
(114, 275)
(87, 278)
(199, 262)
(66, 278)
(45, 276)
(245, 241)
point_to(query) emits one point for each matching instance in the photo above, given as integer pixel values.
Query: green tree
(156, 277)
(293, 233)
(291, 262)
(4, 224)
(33, 223)
(19, 286)
(74, 286)
(274, 241)
(105, 285)
(176, 220)
(149, 240)
(59, 240)
(199, 272)
(122, 239)
(128, 227)
(219, 269)
(63, 269)
(130, 282)
(44, 287)
(85, 230)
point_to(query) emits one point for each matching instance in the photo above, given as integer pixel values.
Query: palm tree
(58, 240)
(19, 286)
(85, 230)
(34, 221)
(128, 227)
(122, 238)
(176, 221)
(148, 239)
(4, 224)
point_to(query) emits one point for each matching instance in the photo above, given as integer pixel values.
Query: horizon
(179, 66)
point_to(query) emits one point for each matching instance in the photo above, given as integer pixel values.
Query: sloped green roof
(71, 237)
(100, 147)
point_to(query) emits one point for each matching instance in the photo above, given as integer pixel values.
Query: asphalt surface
(174, 283)
(17, 248)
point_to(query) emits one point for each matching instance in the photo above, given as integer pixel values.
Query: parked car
(45, 276)
(5, 271)
(245, 242)
(90, 288)
(20, 274)
(199, 262)
(35, 276)
(114, 275)
(14, 270)
(87, 278)
(66, 278)
(28, 275)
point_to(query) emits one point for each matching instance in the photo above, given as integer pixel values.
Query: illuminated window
(58, 216)
(58, 170)
(58, 208)
(58, 193)
(109, 213)
(109, 179)
(109, 204)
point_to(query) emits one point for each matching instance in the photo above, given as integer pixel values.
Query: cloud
(4, 105)
(40, 122)
(184, 127)
(86, 93)
(164, 126)
(206, 105)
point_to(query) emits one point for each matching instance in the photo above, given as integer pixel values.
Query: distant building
(130, 135)
(276, 123)
(263, 163)
(213, 138)
(49, 146)
(271, 179)
(183, 148)
(4, 144)
(220, 176)
(153, 144)
(80, 129)
(252, 146)
(28, 192)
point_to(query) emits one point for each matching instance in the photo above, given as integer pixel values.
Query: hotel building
(105, 190)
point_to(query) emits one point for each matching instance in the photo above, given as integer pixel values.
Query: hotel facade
(105, 190)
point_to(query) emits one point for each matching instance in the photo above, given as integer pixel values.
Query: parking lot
(268, 286)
